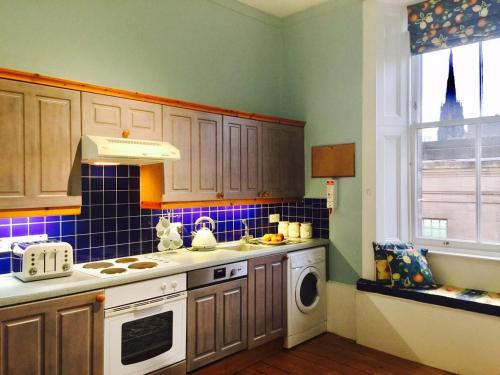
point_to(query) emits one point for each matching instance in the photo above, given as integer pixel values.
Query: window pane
(491, 77)
(446, 185)
(435, 228)
(490, 183)
(442, 101)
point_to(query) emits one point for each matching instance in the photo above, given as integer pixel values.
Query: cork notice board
(333, 160)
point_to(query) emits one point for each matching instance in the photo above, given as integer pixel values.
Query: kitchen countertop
(14, 291)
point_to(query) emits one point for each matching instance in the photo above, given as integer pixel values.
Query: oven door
(145, 336)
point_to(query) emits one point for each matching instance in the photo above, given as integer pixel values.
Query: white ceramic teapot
(204, 239)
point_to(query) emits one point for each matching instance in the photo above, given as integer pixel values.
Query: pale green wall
(220, 52)
(214, 52)
(322, 85)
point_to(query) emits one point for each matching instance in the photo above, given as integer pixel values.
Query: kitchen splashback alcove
(112, 223)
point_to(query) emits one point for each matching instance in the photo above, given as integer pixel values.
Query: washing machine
(306, 295)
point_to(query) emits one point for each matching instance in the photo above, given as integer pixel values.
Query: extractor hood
(109, 150)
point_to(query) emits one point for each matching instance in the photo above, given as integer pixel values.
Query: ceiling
(281, 8)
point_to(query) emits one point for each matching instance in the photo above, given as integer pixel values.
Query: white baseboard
(459, 341)
(341, 309)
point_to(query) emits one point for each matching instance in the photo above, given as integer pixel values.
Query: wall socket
(274, 218)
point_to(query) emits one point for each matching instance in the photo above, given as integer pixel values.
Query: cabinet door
(79, 335)
(51, 148)
(197, 176)
(40, 129)
(58, 336)
(274, 157)
(217, 322)
(22, 343)
(282, 161)
(242, 158)
(111, 116)
(232, 315)
(294, 170)
(12, 129)
(202, 327)
(266, 299)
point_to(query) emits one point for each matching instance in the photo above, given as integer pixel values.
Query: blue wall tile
(112, 224)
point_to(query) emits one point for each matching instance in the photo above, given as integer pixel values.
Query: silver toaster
(39, 260)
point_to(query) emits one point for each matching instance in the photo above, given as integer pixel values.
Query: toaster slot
(50, 261)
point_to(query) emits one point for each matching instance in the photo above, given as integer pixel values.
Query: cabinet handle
(285, 257)
(100, 297)
(125, 133)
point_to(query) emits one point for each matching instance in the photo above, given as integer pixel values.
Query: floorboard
(327, 354)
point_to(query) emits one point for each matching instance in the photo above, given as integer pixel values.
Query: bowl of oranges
(273, 239)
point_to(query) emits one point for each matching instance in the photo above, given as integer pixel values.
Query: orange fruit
(275, 238)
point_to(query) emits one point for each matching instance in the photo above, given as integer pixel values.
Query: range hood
(109, 150)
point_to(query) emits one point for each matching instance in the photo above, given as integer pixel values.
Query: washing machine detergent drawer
(307, 257)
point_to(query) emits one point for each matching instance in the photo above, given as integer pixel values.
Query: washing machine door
(307, 290)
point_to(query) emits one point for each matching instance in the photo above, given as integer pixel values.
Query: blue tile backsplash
(112, 224)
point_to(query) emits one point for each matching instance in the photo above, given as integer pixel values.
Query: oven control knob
(232, 273)
(32, 271)
(66, 267)
(164, 287)
(174, 284)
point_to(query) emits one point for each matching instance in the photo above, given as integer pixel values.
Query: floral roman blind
(436, 24)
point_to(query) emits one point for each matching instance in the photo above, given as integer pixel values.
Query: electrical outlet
(274, 218)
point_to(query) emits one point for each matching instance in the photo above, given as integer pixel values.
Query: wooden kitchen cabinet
(282, 161)
(267, 285)
(242, 158)
(57, 336)
(217, 322)
(40, 129)
(111, 116)
(197, 176)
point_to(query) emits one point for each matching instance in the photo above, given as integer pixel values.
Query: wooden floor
(326, 354)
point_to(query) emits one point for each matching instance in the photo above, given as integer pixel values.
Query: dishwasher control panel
(213, 275)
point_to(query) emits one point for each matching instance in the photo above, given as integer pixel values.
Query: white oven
(145, 326)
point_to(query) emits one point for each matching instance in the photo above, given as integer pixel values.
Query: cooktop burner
(125, 265)
(97, 265)
(127, 260)
(113, 270)
(142, 265)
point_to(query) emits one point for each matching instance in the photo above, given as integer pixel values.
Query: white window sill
(463, 253)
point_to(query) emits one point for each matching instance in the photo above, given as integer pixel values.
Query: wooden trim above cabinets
(49, 211)
(88, 87)
(222, 202)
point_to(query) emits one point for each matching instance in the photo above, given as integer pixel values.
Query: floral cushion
(410, 269)
(383, 272)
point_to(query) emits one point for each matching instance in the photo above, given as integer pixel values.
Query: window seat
(458, 298)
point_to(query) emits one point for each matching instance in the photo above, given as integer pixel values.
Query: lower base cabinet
(217, 322)
(61, 336)
(267, 287)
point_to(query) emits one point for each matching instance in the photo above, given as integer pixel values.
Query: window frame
(445, 245)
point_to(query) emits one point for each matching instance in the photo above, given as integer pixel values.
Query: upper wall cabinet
(242, 158)
(282, 161)
(40, 129)
(117, 117)
(197, 175)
